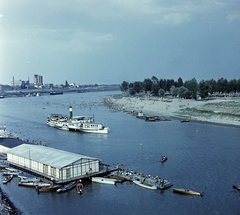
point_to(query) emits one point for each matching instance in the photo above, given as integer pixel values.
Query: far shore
(218, 110)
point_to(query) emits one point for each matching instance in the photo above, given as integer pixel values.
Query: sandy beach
(219, 110)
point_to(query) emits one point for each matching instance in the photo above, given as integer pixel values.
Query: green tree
(222, 85)
(192, 87)
(161, 92)
(124, 86)
(179, 82)
(155, 89)
(182, 92)
(137, 86)
(174, 91)
(147, 85)
(204, 88)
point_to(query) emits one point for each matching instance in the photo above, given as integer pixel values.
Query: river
(201, 156)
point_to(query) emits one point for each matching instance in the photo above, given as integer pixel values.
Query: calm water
(201, 156)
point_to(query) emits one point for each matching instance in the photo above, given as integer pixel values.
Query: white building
(52, 163)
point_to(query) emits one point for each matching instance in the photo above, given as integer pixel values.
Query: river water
(201, 156)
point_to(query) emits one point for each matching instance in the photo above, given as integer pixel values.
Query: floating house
(54, 164)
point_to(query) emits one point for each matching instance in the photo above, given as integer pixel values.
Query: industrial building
(54, 164)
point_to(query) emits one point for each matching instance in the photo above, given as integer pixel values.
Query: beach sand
(220, 110)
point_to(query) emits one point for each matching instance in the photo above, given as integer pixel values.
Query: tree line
(188, 89)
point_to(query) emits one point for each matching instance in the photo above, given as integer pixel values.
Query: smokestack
(71, 113)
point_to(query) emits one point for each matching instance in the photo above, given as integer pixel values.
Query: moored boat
(145, 184)
(7, 179)
(14, 173)
(187, 192)
(185, 120)
(28, 179)
(67, 187)
(104, 180)
(34, 184)
(51, 188)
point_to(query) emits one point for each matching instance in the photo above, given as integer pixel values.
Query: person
(161, 182)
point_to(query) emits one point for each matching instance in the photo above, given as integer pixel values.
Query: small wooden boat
(187, 192)
(7, 179)
(185, 120)
(145, 185)
(66, 187)
(236, 187)
(104, 180)
(79, 187)
(34, 184)
(163, 159)
(51, 188)
(14, 173)
(26, 179)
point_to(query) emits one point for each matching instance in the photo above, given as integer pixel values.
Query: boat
(79, 187)
(185, 120)
(152, 118)
(140, 115)
(14, 173)
(67, 187)
(104, 180)
(141, 183)
(187, 192)
(93, 128)
(27, 179)
(7, 179)
(6, 134)
(166, 184)
(236, 187)
(163, 159)
(34, 184)
(51, 188)
(56, 93)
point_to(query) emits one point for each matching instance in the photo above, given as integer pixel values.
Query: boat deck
(160, 183)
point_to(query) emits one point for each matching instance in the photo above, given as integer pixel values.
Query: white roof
(49, 156)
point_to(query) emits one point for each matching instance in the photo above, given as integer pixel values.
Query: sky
(111, 41)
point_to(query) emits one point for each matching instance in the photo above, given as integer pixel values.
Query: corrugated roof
(50, 156)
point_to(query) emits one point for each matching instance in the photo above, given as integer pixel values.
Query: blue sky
(110, 41)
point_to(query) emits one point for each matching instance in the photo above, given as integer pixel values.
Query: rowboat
(236, 187)
(163, 159)
(67, 187)
(28, 179)
(50, 188)
(14, 173)
(7, 179)
(33, 184)
(187, 192)
(145, 185)
(104, 180)
(79, 187)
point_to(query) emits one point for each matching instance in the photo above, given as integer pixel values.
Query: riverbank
(6, 206)
(219, 110)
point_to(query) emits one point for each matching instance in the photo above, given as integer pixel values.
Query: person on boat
(79, 186)
(161, 182)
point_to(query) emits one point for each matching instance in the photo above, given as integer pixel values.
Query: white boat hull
(34, 184)
(104, 180)
(145, 185)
